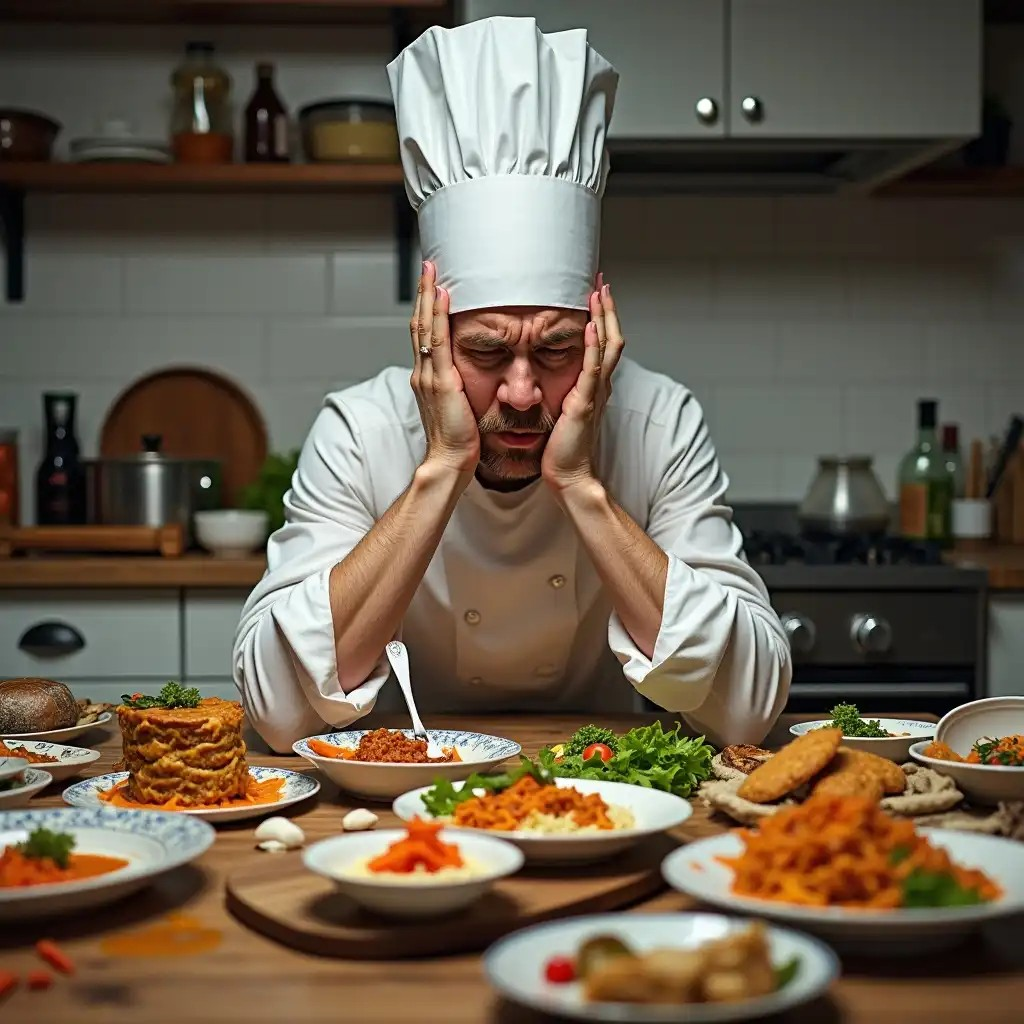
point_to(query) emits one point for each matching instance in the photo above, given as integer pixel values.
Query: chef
(539, 540)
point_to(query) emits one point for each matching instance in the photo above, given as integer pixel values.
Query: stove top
(783, 548)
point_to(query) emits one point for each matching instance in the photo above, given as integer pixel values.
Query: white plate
(70, 760)
(404, 898)
(35, 780)
(696, 871)
(384, 781)
(152, 842)
(987, 784)
(296, 787)
(11, 766)
(515, 966)
(655, 811)
(895, 748)
(60, 735)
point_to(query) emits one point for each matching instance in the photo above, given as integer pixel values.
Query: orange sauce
(266, 792)
(178, 935)
(17, 870)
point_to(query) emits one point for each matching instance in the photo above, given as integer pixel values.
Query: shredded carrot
(55, 956)
(8, 982)
(941, 752)
(420, 847)
(265, 792)
(841, 851)
(39, 979)
(506, 810)
(17, 870)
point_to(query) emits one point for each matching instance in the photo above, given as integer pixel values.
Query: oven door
(816, 690)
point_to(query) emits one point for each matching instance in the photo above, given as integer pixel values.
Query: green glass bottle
(925, 484)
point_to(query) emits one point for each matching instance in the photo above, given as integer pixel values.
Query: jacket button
(476, 681)
(472, 617)
(557, 581)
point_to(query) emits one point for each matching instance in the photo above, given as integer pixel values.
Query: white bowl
(696, 870)
(380, 780)
(231, 532)
(895, 748)
(411, 899)
(654, 810)
(515, 966)
(11, 766)
(987, 784)
(70, 760)
(153, 843)
(34, 781)
(990, 717)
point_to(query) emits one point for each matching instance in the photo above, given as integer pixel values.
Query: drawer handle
(51, 639)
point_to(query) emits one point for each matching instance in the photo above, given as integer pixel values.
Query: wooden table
(252, 979)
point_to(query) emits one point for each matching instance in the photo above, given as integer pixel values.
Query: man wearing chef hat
(537, 542)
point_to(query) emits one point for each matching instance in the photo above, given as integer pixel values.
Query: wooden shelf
(981, 183)
(94, 571)
(128, 177)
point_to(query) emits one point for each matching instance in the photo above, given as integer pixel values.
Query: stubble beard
(511, 464)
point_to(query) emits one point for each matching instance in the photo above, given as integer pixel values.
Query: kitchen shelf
(962, 183)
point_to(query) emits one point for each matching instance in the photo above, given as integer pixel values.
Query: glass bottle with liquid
(60, 478)
(925, 485)
(266, 122)
(201, 130)
(953, 459)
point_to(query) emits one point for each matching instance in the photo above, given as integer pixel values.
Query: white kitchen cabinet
(117, 636)
(812, 68)
(662, 100)
(210, 620)
(1006, 645)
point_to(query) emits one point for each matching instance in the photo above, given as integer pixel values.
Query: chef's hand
(569, 453)
(453, 439)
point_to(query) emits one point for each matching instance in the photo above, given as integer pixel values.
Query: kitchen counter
(131, 571)
(1004, 564)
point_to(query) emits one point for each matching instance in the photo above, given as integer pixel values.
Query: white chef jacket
(511, 614)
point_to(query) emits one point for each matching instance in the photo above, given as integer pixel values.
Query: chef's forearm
(632, 567)
(371, 588)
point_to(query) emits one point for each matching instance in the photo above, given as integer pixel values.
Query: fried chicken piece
(744, 757)
(792, 766)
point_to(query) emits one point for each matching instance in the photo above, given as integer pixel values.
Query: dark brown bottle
(60, 478)
(266, 122)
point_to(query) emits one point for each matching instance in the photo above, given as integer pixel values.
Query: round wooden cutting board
(200, 414)
(276, 895)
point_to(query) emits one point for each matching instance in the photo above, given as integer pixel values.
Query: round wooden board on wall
(200, 414)
(293, 906)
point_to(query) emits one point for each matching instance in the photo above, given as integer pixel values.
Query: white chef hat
(502, 130)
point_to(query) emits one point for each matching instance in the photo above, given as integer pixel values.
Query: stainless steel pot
(845, 498)
(150, 489)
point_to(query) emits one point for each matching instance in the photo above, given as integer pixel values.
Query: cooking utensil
(844, 498)
(200, 414)
(975, 483)
(26, 135)
(1011, 442)
(398, 655)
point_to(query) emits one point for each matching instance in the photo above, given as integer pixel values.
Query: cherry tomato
(560, 970)
(601, 749)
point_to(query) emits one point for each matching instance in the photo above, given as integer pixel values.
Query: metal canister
(9, 494)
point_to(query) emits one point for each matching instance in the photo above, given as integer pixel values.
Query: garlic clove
(480, 792)
(281, 830)
(272, 846)
(359, 820)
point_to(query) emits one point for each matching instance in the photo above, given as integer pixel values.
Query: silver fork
(398, 655)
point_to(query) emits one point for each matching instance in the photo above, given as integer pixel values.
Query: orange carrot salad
(506, 810)
(847, 852)
(384, 746)
(265, 792)
(420, 847)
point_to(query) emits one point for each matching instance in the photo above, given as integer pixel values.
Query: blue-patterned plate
(69, 760)
(152, 842)
(383, 780)
(32, 781)
(296, 787)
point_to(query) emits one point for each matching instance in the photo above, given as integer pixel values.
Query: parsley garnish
(847, 718)
(173, 695)
(44, 843)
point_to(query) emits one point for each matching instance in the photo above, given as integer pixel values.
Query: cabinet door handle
(753, 109)
(51, 639)
(707, 110)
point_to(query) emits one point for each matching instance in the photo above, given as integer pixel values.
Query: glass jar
(201, 128)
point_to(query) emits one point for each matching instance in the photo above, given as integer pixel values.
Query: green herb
(931, 889)
(442, 799)
(645, 756)
(44, 843)
(582, 738)
(786, 972)
(266, 493)
(847, 718)
(988, 754)
(899, 855)
(173, 695)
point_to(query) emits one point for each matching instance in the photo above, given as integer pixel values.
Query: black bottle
(60, 479)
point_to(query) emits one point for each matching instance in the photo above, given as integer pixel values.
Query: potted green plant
(266, 493)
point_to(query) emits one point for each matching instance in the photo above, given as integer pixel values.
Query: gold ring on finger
(424, 350)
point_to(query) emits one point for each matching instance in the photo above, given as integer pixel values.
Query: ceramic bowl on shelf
(26, 135)
(231, 532)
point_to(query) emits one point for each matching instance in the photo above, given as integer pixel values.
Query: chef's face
(517, 365)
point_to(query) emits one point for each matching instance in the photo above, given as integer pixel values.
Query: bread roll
(36, 705)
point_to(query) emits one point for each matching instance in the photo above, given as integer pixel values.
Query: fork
(398, 655)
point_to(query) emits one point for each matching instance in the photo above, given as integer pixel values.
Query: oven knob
(871, 634)
(800, 632)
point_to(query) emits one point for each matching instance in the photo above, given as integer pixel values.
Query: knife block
(1008, 502)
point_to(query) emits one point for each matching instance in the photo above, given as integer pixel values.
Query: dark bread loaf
(36, 705)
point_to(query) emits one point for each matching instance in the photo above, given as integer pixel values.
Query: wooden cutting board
(200, 414)
(299, 909)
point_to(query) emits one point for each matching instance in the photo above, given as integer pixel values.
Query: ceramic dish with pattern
(17, 790)
(69, 761)
(518, 966)
(384, 780)
(152, 843)
(296, 787)
(61, 735)
(896, 746)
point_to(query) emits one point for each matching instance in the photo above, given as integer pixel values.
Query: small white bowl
(894, 748)
(987, 784)
(231, 532)
(990, 717)
(411, 899)
(34, 781)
